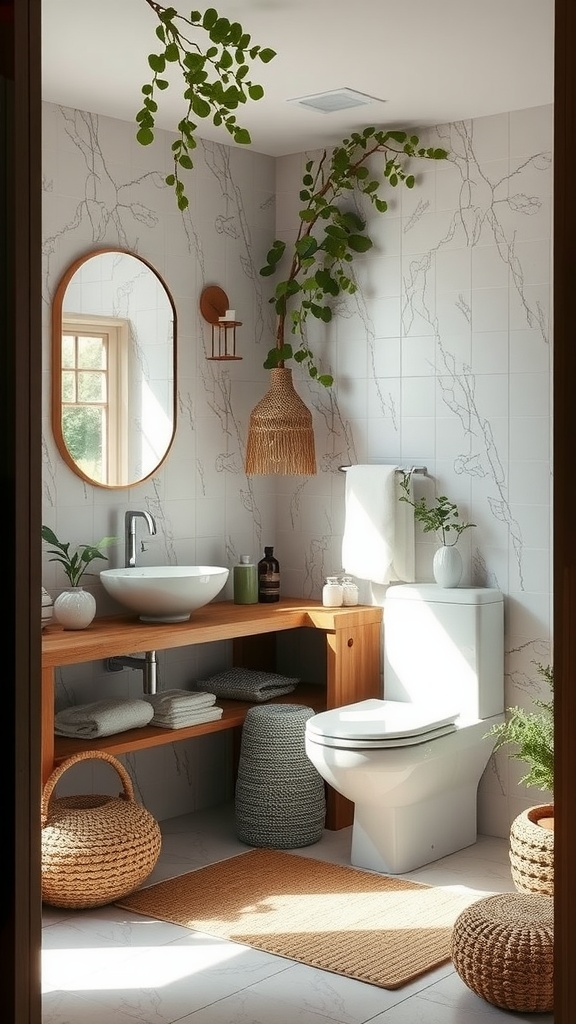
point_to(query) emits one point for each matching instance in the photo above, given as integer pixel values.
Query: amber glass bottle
(268, 578)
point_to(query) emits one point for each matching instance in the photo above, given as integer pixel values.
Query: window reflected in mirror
(114, 368)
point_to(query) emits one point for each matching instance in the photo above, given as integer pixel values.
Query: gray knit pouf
(280, 800)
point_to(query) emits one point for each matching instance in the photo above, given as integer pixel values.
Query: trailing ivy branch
(216, 81)
(329, 236)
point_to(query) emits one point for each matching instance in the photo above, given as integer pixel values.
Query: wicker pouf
(280, 800)
(503, 949)
(532, 852)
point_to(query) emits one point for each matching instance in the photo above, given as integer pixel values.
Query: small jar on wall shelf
(75, 607)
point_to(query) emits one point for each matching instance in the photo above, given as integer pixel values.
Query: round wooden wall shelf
(214, 306)
(213, 303)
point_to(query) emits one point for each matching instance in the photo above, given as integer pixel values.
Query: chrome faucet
(130, 535)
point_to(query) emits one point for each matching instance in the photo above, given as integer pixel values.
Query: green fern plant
(532, 735)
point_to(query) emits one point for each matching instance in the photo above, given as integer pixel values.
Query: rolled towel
(177, 700)
(102, 718)
(248, 684)
(181, 721)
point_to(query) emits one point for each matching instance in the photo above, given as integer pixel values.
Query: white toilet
(411, 763)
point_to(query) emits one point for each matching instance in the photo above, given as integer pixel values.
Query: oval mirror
(113, 368)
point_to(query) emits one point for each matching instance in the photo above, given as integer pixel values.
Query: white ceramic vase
(447, 566)
(74, 608)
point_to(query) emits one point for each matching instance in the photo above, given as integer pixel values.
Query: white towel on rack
(378, 543)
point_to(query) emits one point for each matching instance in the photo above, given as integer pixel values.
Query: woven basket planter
(280, 434)
(503, 949)
(532, 852)
(95, 848)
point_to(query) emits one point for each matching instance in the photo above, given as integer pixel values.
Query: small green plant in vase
(75, 564)
(443, 519)
(74, 608)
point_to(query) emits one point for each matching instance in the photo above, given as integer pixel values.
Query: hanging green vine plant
(216, 82)
(330, 236)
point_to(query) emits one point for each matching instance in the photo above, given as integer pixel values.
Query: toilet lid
(382, 723)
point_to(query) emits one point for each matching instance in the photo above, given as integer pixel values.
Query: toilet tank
(445, 647)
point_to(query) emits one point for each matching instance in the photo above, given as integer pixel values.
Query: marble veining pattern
(441, 358)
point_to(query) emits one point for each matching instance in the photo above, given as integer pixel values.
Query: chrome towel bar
(413, 469)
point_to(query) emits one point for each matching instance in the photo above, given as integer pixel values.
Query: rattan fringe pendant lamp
(280, 435)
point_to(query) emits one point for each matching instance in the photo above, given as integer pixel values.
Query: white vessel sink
(164, 593)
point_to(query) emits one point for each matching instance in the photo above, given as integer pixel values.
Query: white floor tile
(336, 997)
(110, 965)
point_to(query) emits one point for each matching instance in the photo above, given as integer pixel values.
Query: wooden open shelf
(235, 712)
(352, 638)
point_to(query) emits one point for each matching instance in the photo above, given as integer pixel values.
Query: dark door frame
(20, 479)
(564, 505)
(20, 495)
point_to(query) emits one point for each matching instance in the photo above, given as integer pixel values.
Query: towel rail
(413, 469)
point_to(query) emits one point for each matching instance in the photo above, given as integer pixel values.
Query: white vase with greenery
(447, 566)
(75, 607)
(443, 519)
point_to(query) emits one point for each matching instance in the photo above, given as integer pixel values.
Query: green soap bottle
(245, 581)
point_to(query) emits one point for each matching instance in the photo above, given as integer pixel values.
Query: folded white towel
(182, 721)
(176, 700)
(378, 542)
(102, 718)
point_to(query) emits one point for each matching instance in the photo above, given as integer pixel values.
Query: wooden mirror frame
(56, 374)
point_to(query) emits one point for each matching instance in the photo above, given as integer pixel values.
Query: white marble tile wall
(442, 358)
(102, 189)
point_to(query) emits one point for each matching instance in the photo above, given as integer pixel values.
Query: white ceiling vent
(335, 99)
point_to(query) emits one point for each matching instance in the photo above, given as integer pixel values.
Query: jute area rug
(374, 928)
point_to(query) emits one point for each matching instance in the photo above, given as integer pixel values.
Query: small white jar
(332, 593)
(349, 591)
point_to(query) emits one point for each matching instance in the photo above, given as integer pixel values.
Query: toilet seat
(379, 724)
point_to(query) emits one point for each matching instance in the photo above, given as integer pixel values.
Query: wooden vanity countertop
(114, 635)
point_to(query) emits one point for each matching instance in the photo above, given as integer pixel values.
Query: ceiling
(424, 62)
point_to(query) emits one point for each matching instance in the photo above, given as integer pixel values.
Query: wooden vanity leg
(353, 657)
(47, 723)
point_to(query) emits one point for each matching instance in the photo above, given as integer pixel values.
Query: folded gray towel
(248, 684)
(180, 700)
(102, 718)
(181, 721)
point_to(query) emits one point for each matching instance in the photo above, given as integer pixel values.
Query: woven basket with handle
(95, 848)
